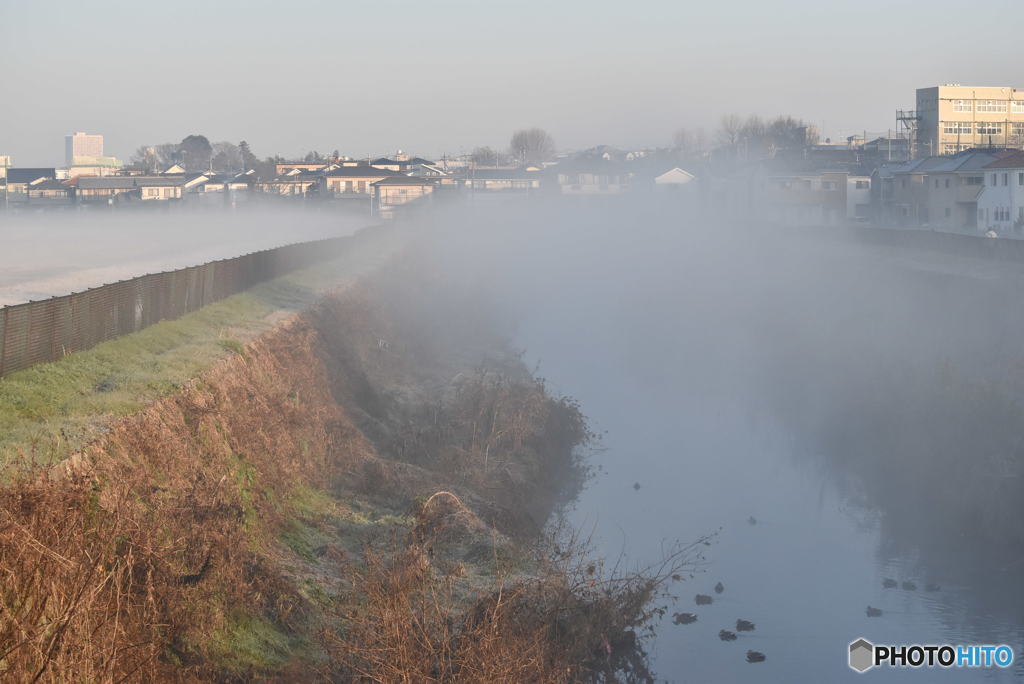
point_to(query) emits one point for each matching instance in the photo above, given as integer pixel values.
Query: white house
(1001, 202)
(673, 179)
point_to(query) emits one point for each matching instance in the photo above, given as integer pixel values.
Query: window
(828, 185)
(903, 183)
(990, 129)
(991, 106)
(994, 181)
(1020, 213)
(1017, 107)
(956, 127)
(947, 182)
(936, 182)
(1017, 129)
(961, 105)
(1020, 179)
(973, 180)
(862, 185)
(1005, 176)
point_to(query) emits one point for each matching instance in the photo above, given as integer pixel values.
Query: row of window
(980, 127)
(1000, 214)
(990, 106)
(995, 177)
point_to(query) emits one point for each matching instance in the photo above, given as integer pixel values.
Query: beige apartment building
(951, 118)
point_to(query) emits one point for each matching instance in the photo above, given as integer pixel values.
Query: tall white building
(82, 145)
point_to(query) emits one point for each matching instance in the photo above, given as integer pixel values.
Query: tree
(532, 146)
(682, 142)
(145, 159)
(196, 152)
(249, 160)
(729, 130)
(227, 157)
(166, 154)
(486, 156)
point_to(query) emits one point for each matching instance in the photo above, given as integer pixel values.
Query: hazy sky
(447, 75)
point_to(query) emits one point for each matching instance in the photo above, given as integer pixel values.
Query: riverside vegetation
(363, 493)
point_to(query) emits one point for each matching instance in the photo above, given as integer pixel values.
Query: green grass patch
(250, 643)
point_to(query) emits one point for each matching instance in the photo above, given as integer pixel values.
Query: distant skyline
(445, 76)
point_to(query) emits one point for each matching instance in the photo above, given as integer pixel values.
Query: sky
(445, 76)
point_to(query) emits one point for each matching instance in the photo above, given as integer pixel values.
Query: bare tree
(683, 141)
(532, 145)
(486, 156)
(145, 159)
(729, 131)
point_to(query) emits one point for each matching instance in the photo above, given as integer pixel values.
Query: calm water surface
(814, 560)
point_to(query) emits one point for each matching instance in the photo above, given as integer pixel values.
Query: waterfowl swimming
(719, 588)
(874, 612)
(910, 586)
(684, 618)
(744, 626)
(751, 520)
(726, 635)
(889, 583)
(932, 587)
(703, 600)
(636, 486)
(755, 657)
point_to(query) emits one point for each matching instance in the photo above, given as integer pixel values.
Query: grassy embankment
(317, 504)
(54, 409)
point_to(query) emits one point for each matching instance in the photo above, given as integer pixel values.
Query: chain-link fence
(48, 329)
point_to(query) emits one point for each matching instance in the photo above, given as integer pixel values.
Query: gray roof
(128, 182)
(26, 175)
(360, 172)
(404, 180)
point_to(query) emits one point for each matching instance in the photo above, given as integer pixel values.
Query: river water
(660, 362)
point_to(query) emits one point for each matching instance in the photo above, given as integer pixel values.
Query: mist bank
(896, 370)
(49, 255)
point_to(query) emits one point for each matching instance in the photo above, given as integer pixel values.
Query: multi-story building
(952, 118)
(82, 145)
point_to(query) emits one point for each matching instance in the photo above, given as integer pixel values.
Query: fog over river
(844, 412)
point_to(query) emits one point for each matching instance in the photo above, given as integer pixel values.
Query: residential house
(952, 190)
(355, 182)
(675, 180)
(394, 192)
(937, 192)
(503, 180)
(593, 177)
(284, 168)
(112, 189)
(1001, 202)
(48, 192)
(302, 184)
(18, 180)
(805, 199)
(858, 199)
(388, 164)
